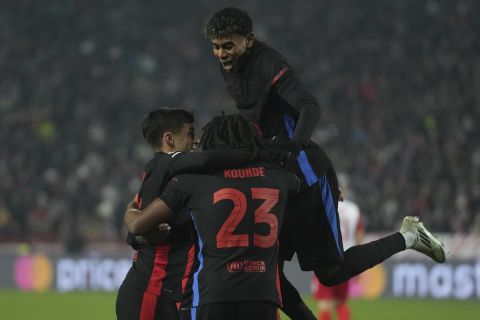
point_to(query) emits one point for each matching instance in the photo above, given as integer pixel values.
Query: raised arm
(289, 88)
(278, 76)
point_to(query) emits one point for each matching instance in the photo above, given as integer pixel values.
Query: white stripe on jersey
(173, 153)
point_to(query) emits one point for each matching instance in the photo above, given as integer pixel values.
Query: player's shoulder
(263, 50)
(162, 158)
(161, 162)
(182, 181)
(174, 154)
(268, 166)
(266, 57)
(279, 171)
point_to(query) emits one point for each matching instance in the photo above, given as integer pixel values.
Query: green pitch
(16, 305)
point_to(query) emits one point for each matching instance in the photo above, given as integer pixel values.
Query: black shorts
(245, 310)
(185, 314)
(311, 227)
(134, 303)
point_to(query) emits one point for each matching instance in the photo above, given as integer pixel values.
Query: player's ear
(169, 139)
(250, 38)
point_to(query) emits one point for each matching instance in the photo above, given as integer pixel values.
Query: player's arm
(173, 198)
(154, 237)
(142, 221)
(197, 162)
(285, 83)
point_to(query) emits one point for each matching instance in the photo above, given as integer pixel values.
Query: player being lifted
(237, 214)
(268, 93)
(160, 276)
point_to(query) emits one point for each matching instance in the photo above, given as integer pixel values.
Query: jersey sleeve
(278, 76)
(177, 192)
(198, 162)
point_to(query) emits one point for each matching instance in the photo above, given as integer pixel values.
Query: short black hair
(232, 131)
(158, 121)
(228, 22)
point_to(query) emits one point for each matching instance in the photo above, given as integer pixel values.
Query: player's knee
(328, 276)
(326, 305)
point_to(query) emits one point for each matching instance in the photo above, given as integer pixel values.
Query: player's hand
(286, 144)
(155, 238)
(133, 205)
(280, 157)
(141, 240)
(164, 229)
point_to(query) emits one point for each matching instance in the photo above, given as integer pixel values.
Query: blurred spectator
(398, 81)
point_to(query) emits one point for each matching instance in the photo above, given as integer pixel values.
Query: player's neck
(164, 149)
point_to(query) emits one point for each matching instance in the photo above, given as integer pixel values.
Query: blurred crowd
(398, 83)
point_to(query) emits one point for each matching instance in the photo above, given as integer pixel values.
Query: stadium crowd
(398, 83)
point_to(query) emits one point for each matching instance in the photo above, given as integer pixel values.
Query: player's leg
(340, 295)
(317, 238)
(343, 310)
(292, 304)
(314, 231)
(165, 309)
(129, 302)
(362, 257)
(324, 296)
(359, 258)
(326, 309)
(185, 314)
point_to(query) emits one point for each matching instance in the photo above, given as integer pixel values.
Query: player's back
(237, 214)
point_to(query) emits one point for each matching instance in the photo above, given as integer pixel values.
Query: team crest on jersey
(234, 266)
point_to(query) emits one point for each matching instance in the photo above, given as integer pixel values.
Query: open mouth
(227, 65)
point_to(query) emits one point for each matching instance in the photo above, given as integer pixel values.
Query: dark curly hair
(232, 131)
(227, 22)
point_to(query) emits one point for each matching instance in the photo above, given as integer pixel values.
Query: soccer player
(159, 276)
(268, 93)
(331, 300)
(237, 214)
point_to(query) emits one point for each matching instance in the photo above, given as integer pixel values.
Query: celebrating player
(160, 275)
(237, 214)
(268, 93)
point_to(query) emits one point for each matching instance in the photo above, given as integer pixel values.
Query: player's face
(184, 140)
(228, 50)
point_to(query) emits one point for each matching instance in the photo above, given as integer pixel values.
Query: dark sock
(360, 258)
